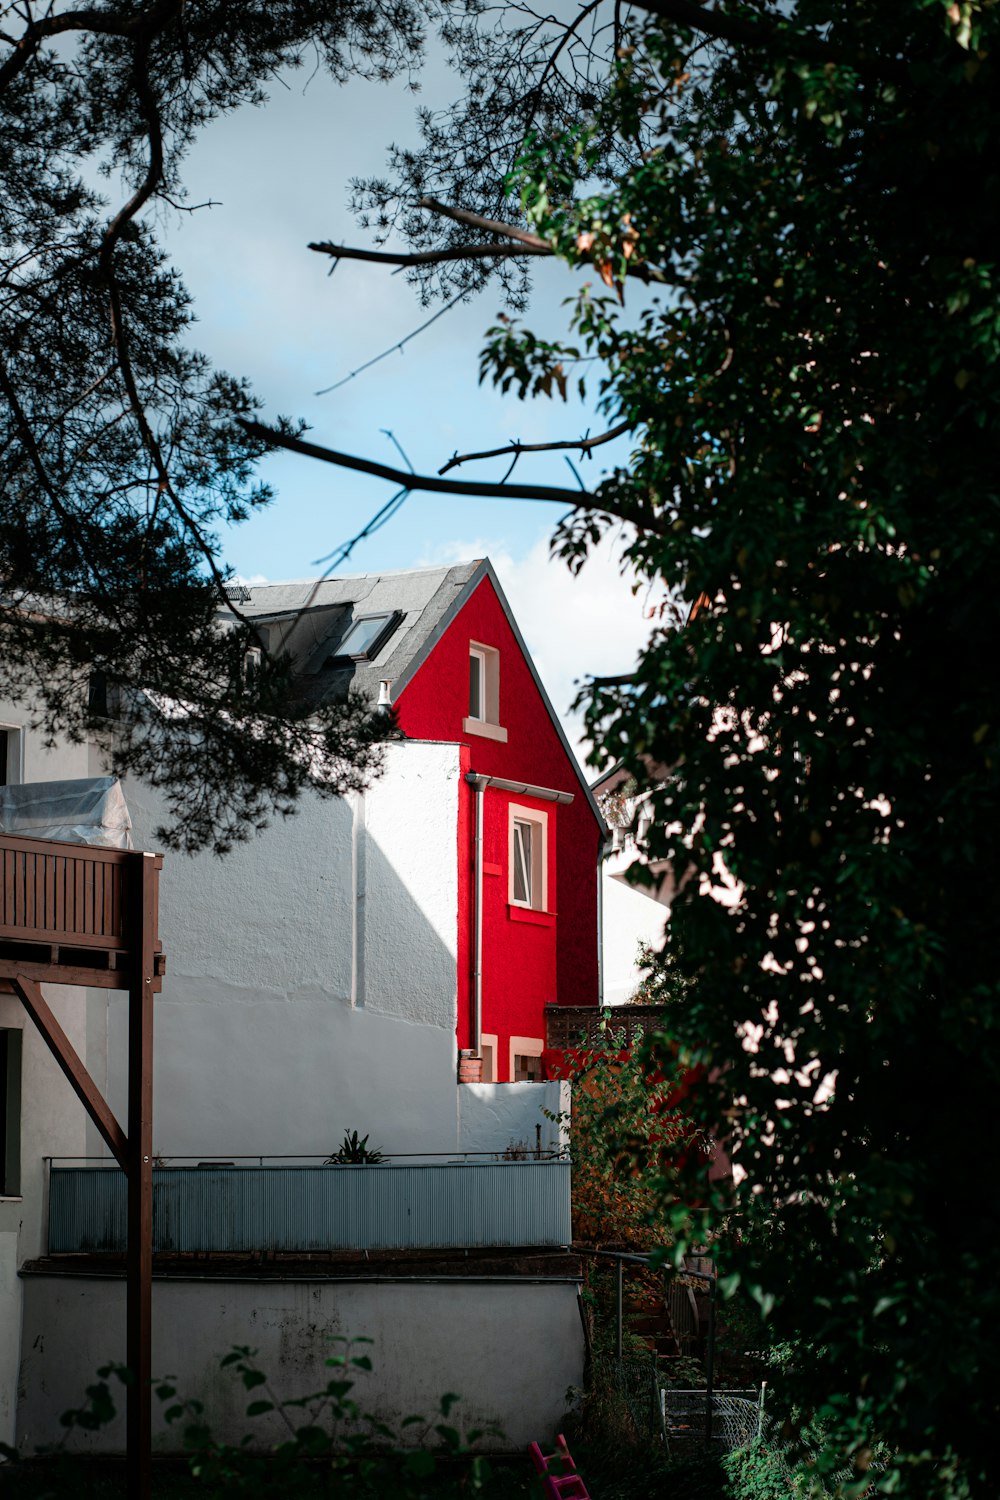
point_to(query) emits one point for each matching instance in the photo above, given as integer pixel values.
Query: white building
(312, 988)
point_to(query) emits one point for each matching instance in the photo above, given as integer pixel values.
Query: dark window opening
(477, 685)
(97, 694)
(10, 1112)
(527, 1069)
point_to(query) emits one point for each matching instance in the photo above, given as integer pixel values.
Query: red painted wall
(529, 961)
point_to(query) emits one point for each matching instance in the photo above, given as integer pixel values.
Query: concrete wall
(509, 1348)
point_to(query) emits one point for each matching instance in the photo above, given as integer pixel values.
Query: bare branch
(641, 514)
(578, 445)
(276, 439)
(399, 346)
(525, 243)
(427, 257)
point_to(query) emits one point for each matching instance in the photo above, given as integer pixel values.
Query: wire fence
(682, 1420)
(696, 1431)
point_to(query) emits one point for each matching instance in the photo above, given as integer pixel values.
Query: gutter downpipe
(479, 785)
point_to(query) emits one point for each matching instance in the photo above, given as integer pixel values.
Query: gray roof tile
(308, 619)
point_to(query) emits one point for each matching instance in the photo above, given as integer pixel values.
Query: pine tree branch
(98, 22)
(153, 177)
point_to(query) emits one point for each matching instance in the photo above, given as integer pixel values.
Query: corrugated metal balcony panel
(296, 1208)
(87, 1209)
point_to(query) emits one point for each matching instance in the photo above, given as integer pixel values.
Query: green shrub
(332, 1444)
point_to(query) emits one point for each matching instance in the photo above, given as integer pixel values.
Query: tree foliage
(120, 446)
(812, 384)
(123, 449)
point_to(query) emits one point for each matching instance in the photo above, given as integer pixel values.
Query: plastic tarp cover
(89, 811)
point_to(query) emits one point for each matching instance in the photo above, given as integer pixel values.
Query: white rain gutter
(479, 785)
(523, 788)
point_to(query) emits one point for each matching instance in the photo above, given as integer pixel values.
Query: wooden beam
(62, 1049)
(139, 1304)
(100, 979)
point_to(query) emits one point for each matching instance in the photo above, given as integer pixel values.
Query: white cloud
(573, 626)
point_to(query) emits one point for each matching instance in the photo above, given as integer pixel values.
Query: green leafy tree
(799, 326)
(813, 395)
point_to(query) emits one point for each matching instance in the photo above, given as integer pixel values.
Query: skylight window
(367, 636)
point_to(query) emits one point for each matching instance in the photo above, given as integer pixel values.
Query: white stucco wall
(631, 915)
(52, 1119)
(509, 1348)
(493, 1116)
(311, 975)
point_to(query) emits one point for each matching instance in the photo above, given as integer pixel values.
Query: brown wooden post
(139, 1294)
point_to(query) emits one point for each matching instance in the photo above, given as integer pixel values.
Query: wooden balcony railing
(619, 1027)
(70, 906)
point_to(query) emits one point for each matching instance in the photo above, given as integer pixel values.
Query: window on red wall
(528, 851)
(484, 693)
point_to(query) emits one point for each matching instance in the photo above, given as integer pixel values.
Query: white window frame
(488, 1049)
(487, 721)
(538, 899)
(15, 754)
(524, 1046)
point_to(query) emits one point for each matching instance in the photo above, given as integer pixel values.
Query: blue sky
(268, 309)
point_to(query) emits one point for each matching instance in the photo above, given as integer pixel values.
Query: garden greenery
(798, 317)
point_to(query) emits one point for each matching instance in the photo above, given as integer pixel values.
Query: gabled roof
(309, 620)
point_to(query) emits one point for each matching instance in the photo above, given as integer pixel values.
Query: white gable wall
(311, 975)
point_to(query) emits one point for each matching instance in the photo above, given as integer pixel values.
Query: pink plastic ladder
(565, 1486)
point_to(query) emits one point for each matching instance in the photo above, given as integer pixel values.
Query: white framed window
(528, 879)
(526, 1059)
(484, 693)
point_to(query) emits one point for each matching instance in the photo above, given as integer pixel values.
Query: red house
(529, 831)
(442, 646)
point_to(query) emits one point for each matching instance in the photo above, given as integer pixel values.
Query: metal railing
(237, 1209)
